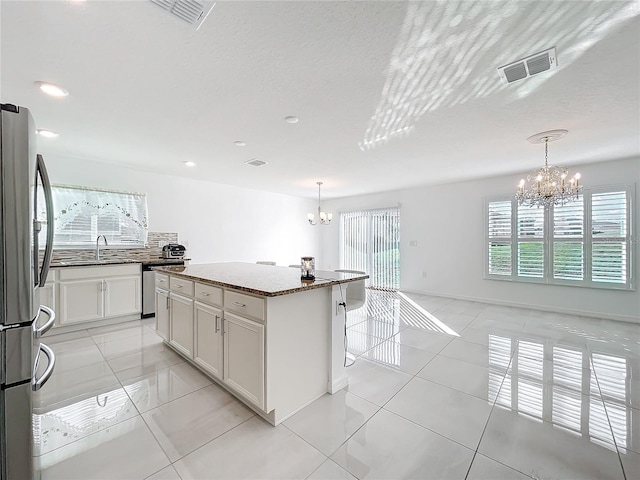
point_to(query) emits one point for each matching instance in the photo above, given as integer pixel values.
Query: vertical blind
(81, 214)
(370, 242)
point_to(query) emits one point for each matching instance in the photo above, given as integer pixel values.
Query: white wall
(220, 223)
(448, 222)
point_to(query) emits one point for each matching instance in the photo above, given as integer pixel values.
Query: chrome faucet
(98, 246)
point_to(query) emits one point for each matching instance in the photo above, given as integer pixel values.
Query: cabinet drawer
(208, 294)
(243, 304)
(162, 281)
(180, 285)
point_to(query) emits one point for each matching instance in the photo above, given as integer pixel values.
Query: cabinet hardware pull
(168, 303)
(217, 323)
(178, 286)
(240, 304)
(204, 294)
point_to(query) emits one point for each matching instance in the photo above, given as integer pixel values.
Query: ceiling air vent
(532, 65)
(255, 162)
(193, 12)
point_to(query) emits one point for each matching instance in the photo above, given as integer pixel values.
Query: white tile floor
(440, 388)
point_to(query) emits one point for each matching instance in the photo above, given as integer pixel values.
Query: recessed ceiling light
(190, 164)
(51, 89)
(291, 119)
(239, 143)
(46, 133)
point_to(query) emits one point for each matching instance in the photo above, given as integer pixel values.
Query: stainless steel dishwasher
(149, 284)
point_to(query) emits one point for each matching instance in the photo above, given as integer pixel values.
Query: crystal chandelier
(323, 217)
(548, 185)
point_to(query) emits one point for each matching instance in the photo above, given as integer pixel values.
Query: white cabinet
(96, 293)
(244, 357)
(81, 301)
(122, 296)
(181, 323)
(162, 313)
(48, 292)
(208, 338)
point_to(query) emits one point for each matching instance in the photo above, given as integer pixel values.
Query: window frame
(548, 242)
(142, 221)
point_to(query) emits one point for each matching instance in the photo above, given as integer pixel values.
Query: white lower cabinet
(97, 293)
(244, 357)
(122, 296)
(208, 339)
(209, 325)
(181, 323)
(48, 293)
(81, 301)
(162, 313)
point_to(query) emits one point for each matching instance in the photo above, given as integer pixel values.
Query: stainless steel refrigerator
(25, 362)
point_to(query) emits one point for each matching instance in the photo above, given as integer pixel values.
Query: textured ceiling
(389, 94)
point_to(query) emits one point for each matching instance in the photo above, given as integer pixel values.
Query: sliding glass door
(370, 242)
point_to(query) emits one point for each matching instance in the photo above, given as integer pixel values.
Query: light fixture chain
(546, 152)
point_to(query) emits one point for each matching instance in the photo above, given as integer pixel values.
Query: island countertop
(263, 280)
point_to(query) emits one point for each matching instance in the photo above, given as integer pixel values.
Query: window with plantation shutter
(500, 238)
(568, 241)
(609, 237)
(81, 214)
(587, 242)
(530, 229)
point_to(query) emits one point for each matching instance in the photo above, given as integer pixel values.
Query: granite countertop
(263, 280)
(56, 263)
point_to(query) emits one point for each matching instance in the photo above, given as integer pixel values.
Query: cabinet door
(162, 313)
(181, 323)
(47, 296)
(81, 301)
(208, 338)
(244, 357)
(122, 296)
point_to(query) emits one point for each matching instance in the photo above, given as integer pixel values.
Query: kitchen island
(274, 341)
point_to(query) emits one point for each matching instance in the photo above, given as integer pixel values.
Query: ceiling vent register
(255, 162)
(193, 12)
(527, 67)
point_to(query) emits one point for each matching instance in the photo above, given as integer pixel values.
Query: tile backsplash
(155, 242)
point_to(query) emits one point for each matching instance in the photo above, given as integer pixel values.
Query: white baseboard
(338, 384)
(542, 308)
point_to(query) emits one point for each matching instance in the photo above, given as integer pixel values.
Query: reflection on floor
(440, 388)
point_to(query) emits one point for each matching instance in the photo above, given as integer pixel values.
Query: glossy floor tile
(462, 376)
(462, 420)
(542, 450)
(330, 470)
(440, 388)
(483, 468)
(375, 383)
(161, 386)
(254, 449)
(389, 446)
(399, 357)
(330, 420)
(126, 451)
(191, 421)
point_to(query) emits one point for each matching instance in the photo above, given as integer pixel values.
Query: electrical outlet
(413, 243)
(424, 274)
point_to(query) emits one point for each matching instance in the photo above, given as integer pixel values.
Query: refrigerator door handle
(48, 199)
(37, 384)
(40, 331)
